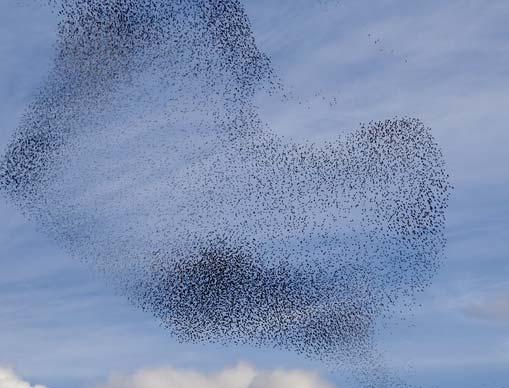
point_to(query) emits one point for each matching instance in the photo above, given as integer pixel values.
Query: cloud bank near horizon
(240, 376)
(9, 379)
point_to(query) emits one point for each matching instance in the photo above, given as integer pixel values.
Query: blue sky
(445, 62)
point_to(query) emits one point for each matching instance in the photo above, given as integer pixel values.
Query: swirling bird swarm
(145, 155)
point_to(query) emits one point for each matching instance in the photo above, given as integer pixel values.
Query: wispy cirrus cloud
(489, 307)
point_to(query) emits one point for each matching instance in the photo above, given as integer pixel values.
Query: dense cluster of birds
(144, 155)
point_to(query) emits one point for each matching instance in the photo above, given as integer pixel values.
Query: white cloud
(8, 379)
(241, 376)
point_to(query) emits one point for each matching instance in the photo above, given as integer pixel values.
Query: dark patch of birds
(145, 155)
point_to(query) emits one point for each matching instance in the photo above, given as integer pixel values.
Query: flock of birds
(144, 155)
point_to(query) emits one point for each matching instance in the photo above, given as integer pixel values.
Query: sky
(445, 62)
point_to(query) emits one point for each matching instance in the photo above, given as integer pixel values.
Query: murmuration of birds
(144, 155)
